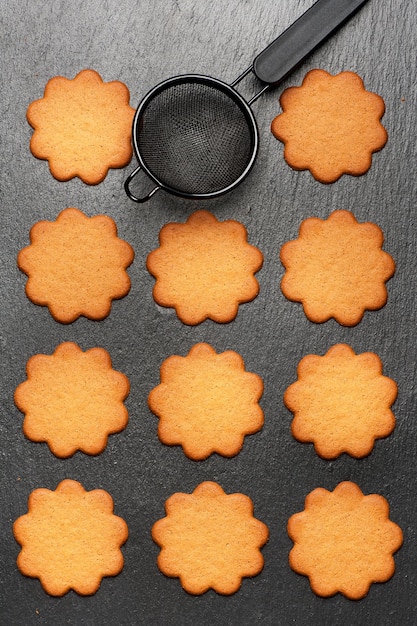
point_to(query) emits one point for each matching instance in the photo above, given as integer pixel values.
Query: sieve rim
(220, 85)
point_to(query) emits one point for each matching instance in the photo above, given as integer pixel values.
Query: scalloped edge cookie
(344, 541)
(330, 125)
(207, 402)
(82, 127)
(341, 402)
(204, 268)
(210, 539)
(70, 538)
(73, 400)
(76, 265)
(336, 268)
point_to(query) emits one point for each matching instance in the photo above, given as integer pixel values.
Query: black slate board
(142, 43)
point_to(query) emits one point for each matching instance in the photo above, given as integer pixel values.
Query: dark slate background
(142, 43)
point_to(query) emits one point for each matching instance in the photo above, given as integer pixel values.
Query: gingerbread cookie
(207, 402)
(341, 402)
(344, 541)
(73, 400)
(210, 540)
(76, 265)
(70, 538)
(337, 268)
(204, 268)
(330, 125)
(82, 127)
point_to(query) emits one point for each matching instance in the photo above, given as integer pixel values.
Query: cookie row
(206, 402)
(205, 268)
(344, 540)
(329, 125)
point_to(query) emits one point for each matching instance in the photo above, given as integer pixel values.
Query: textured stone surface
(141, 43)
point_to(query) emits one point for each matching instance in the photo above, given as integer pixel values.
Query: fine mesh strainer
(196, 136)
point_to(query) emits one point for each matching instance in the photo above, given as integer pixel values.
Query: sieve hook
(131, 195)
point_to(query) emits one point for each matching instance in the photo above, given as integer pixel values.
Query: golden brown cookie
(337, 268)
(344, 541)
(207, 402)
(341, 402)
(204, 268)
(209, 539)
(73, 400)
(83, 126)
(330, 125)
(70, 538)
(76, 265)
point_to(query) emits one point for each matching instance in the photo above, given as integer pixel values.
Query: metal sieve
(196, 137)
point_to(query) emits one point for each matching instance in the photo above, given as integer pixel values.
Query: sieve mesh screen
(195, 138)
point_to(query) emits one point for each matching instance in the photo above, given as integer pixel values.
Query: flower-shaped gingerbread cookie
(337, 268)
(73, 400)
(76, 265)
(341, 402)
(204, 268)
(344, 541)
(82, 126)
(207, 402)
(70, 538)
(210, 540)
(330, 125)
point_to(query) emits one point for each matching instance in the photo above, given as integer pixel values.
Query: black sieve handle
(284, 54)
